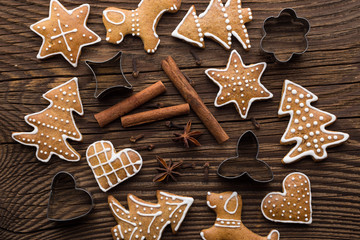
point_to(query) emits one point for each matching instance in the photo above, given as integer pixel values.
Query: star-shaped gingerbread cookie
(65, 32)
(239, 84)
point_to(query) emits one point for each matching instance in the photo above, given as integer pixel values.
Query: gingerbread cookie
(228, 224)
(219, 22)
(55, 124)
(293, 205)
(146, 220)
(239, 84)
(112, 168)
(65, 32)
(307, 125)
(141, 22)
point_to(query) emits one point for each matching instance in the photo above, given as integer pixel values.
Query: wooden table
(330, 69)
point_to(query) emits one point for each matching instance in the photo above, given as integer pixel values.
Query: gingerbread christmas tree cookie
(307, 125)
(140, 22)
(145, 220)
(55, 124)
(65, 32)
(239, 84)
(219, 22)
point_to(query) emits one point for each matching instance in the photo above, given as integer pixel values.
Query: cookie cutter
(292, 13)
(113, 60)
(245, 135)
(60, 178)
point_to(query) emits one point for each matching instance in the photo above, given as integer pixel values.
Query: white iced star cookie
(64, 32)
(239, 84)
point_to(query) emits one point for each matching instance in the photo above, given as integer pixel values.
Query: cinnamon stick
(107, 116)
(154, 115)
(191, 96)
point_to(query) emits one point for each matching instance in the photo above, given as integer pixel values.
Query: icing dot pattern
(291, 206)
(64, 32)
(145, 220)
(239, 84)
(219, 21)
(306, 124)
(139, 22)
(54, 124)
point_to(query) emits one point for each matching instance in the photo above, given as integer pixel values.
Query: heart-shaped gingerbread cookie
(112, 168)
(291, 206)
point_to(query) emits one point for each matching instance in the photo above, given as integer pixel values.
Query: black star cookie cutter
(246, 162)
(105, 69)
(283, 31)
(67, 202)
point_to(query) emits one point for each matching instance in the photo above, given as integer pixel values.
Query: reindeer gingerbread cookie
(219, 22)
(146, 220)
(140, 22)
(228, 225)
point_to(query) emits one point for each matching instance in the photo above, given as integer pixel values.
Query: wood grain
(330, 69)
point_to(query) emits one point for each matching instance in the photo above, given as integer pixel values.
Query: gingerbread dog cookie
(140, 22)
(228, 225)
(65, 32)
(112, 168)
(53, 125)
(239, 84)
(291, 206)
(307, 125)
(219, 22)
(146, 220)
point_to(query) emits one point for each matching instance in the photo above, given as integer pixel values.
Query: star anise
(188, 136)
(166, 170)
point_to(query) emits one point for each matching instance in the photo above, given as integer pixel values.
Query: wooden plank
(330, 69)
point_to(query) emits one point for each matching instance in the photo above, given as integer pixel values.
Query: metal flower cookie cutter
(285, 35)
(67, 202)
(246, 162)
(105, 69)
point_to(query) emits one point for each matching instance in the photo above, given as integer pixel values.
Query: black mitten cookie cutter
(256, 142)
(59, 179)
(121, 88)
(292, 13)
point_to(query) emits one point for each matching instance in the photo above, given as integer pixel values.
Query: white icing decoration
(154, 215)
(64, 137)
(114, 157)
(299, 174)
(233, 195)
(105, 13)
(159, 219)
(69, 12)
(211, 5)
(209, 205)
(241, 112)
(176, 34)
(298, 139)
(187, 201)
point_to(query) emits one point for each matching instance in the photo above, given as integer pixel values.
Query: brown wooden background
(330, 69)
